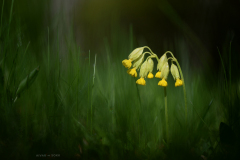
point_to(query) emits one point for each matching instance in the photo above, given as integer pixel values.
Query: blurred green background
(84, 105)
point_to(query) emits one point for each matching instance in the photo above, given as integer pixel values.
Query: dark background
(202, 25)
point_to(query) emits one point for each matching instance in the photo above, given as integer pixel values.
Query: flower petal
(158, 74)
(163, 83)
(127, 63)
(178, 83)
(150, 75)
(141, 81)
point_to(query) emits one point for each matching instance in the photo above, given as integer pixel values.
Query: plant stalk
(184, 91)
(166, 113)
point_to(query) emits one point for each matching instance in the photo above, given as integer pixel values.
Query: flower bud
(175, 72)
(164, 71)
(136, 53)
(161, 62)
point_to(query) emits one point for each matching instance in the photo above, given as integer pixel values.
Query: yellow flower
(174, 71)
(158, 74)
(127, 63)
(132, 72)
(178, 83)
(146, 67)
(141, 81)
(163, 83)
(150, 75)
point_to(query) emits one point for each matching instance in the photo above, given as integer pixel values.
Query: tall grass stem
(229, 88)
(48, 55)
(10, 18)
(88, 85)
(1, 18)
(223, 68)
(92, 89)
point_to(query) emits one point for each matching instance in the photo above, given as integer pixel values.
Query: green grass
(104, 111)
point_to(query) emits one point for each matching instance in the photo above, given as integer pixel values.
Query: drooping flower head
(134, 55)
(178, 83)
(150, 67)
(146, 67)
(136, 61)
(161, 62)
(164, 75)
(165, 71)
(176, 76)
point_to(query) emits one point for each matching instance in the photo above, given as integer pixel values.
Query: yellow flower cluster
(146, 67)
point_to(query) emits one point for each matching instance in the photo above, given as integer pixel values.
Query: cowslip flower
(150, 75)
(163, 83)
(146, 68)
(178, 83)
(141, 81)
(158, 74)
(132, 72)
(150, 65)
(127, 63)
(161, 62)
(134, 55)
(176, 76)
(164, 75)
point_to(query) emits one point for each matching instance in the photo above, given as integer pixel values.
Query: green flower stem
(149, 49)
(152, 52)
(151, 57)
(166, 113)
(170, 53)
(148, 53)
(138, 115)
(184, 90)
